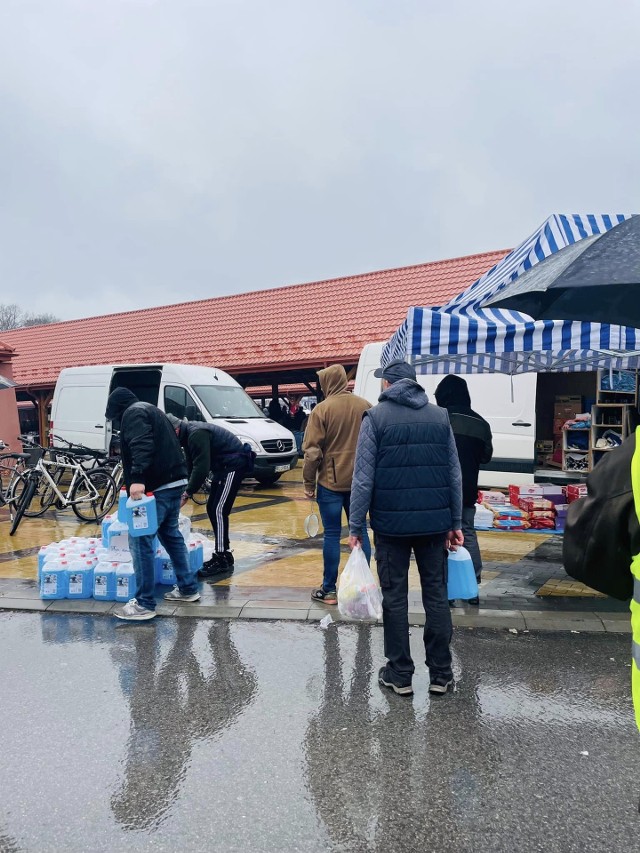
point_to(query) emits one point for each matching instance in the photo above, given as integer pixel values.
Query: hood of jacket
(406, 392)
(118, 402)
(333, 379)
(452, 391)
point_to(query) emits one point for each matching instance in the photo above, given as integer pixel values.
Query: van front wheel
(267, 479)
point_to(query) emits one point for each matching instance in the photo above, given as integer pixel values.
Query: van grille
(277, 445)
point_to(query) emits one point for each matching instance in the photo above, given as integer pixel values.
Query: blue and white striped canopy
(463, 337)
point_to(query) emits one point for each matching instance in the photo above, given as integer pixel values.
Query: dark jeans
(144, 554)
(331, 505)
(224, 489)
(392, 556)
(471, 539)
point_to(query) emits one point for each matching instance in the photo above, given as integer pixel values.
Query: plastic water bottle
(196, 556)
(164, 568)
(142, 517)
(125, 582)
(122, 506)
(80, 579)
(107, 521)
(46, 552)
(55, 580)
(104, 581)
(118, 537)
(462, 581)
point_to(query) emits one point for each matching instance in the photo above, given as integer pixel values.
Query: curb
(297, 611)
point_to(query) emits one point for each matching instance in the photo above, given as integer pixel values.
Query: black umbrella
(596, 279)
(6, 383)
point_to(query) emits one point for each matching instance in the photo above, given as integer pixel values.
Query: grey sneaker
(440, 686)
(386, 678)
(176, 595)
(133, 612)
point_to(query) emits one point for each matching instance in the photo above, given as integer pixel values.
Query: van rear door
(142, 380)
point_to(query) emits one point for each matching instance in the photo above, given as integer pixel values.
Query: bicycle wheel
(202, 496)
(23, 502)
(93, 495)
(41, 499)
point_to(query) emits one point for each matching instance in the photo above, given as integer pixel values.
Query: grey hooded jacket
(407, 473)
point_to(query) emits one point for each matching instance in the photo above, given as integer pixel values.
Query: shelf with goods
(611, 417)
(576, 450)
(610, 425)
(617, 387)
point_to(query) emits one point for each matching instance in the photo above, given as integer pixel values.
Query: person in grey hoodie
(407, 476)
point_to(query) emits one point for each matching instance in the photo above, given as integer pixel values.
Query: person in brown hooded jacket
(329, 453)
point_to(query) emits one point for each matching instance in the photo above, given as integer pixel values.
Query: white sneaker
(176, 595)
(133, 612)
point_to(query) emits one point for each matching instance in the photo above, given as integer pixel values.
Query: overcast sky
(155, 151)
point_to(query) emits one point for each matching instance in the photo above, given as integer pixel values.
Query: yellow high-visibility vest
(635, 601)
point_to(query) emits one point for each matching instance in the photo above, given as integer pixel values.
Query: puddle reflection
(174, 704)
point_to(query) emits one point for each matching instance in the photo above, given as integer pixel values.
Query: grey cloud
(158, 151)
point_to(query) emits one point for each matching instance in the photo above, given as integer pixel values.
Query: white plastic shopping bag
(359, 596)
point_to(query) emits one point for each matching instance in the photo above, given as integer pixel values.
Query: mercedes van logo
(280, 444)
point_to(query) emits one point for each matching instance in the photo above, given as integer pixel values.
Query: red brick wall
(9, 423)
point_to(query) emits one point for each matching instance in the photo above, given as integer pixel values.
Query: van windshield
(227, 401)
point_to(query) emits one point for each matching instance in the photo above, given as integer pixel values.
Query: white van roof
(191, 374)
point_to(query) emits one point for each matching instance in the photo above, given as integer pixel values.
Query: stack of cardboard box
(565, 409)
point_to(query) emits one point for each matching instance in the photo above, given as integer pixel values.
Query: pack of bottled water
(102, 568)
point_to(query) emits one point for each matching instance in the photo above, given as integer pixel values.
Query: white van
(519, 410)
(197, 393)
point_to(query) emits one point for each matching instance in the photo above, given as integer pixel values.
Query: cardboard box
(566, 407)
(544, 446)
(552, 493)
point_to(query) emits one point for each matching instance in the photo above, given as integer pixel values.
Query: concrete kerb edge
(587, 622)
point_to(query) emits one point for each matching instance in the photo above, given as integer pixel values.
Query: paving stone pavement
(524, 584)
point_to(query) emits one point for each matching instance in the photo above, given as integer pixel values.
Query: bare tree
(9, 317)
(13, 317)
(38, 319)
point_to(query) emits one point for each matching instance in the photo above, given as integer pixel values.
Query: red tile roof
(303, 325)
(5, 349)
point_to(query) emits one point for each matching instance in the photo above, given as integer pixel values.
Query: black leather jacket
(602, 533)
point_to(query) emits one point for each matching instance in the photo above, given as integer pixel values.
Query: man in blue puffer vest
(407, 475)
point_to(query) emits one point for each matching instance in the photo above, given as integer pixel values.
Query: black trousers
(224, 489)
(392, 557)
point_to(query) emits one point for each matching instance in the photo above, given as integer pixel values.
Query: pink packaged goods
(532, 504)
(537, 490)
(490, 498)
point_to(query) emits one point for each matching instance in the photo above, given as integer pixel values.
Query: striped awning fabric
(463, 337)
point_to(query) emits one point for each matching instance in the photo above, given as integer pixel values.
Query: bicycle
(91, 494)
(14, 474)
(101, 460)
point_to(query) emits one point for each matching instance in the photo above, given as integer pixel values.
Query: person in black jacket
(210, 448)
(152, 461)
(475, 448)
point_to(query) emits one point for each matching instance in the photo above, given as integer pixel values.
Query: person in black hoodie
(474, 442)
(211, 448)
(152, 461)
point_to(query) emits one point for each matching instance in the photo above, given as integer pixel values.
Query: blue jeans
(331, 505)
(143, 551)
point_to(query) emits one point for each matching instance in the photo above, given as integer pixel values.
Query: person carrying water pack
(210, 448)
(152, 461)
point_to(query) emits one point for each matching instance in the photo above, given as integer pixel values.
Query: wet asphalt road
(230, 736)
